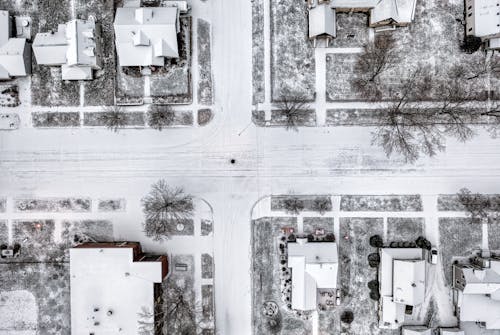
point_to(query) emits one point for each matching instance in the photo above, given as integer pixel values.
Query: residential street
(98, 163)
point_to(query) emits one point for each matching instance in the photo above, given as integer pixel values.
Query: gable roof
(400, 11)
(409, 282)
(322, 21)
(145, 35)
(314, 265)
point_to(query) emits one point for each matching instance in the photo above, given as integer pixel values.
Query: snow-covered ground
(101, 164)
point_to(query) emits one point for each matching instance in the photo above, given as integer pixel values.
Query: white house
(483, 20)
(402, 283)
(382, 12)
(314, 266)
(111, 284)
(321, 21)
(75, 46)
(145, 36)
(15, 53)
(477, 289)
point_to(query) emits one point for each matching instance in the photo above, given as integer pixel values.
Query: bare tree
(292, 105)
(375, 59)
(482, 208)
(113, 117)
(146, 321)
(160, 117)
(293, 205)
(151, 322)
(410, 127)
(180, 312)
(321, 204)
(163, 207)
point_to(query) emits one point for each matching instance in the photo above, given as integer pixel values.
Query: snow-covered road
(99, 163)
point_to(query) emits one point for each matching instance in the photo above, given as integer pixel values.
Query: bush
(330, 237)
(321, 205)
(292, 238)
(374, 295)
(293, 205)
(374, 260)
(347, 317)
(373, 285)
(164, 206)
(376, 241)
(310, 238)
(471, 44)
(113, 118)
(160, 117)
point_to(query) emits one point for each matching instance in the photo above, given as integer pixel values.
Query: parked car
(433, 255)
(337, 299)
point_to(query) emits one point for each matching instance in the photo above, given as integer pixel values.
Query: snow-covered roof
(402, 282)
(400, 11)
(322, 21)
(109, 289)
(480, 298)
(74, 44)
(4, 27)
(347, 4)
(314, 265)
(483, 18)
(392, 313)
(409, 282)
(146, 35)
(82, 39)
(387, 257)
(50, 48)
(15, 55)
(483, 281)
(416, 330)
(14, 58)
(480, 308)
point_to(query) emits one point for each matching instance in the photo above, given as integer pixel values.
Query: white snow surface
(99, 163)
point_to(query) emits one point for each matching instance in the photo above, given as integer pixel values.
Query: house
(416, 330)
(482, 19)
(402, 283)
(321, 21)
(15, 53)
(146, 36)
(477, 291)
(383, 13)
(75, 46)
(314, 265)
(113, 287)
